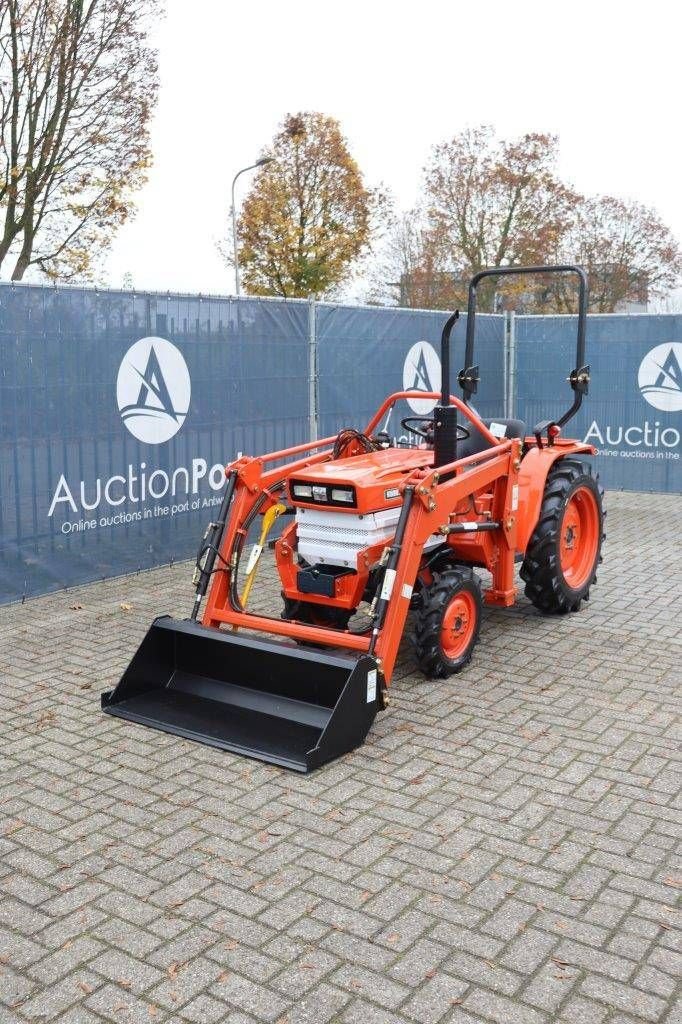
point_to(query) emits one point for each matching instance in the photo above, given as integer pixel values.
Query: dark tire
(442, 561)
(434, 565)
(316, 614)
(448, 623)
(565, 549)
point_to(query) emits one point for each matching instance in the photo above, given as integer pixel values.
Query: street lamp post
(259, 163)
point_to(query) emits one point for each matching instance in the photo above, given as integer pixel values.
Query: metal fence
(118, 411)
(366, 352)
(633, 413)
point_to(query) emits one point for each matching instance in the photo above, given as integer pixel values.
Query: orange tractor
(392, 528)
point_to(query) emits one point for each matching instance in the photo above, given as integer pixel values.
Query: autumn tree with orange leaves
(308, 216)
(486, 203)
(489, 202)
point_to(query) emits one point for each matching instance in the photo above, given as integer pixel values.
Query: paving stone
(377, 987)
(652, 980)
(550, 987)
(71, 956)
(576, 955)
(483, 972)
(509, 919)
(528, 950)
(361, 1012)
(119, 966)
(500, 1009)
(251, 998)
(498, 852)
(582, 1011)
(423, 957)
(435, 998)
(114, 1003)
(15, 988)
(204, 1010)
(622, 997)
(319, 1006)
(58, 998)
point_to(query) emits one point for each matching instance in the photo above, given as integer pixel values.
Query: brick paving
(502, 849)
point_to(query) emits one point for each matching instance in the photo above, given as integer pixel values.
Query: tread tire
(430, 655)
(541, 568)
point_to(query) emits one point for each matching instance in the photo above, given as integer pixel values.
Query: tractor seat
(502, 428)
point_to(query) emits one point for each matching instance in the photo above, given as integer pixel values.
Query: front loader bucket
(267, 699)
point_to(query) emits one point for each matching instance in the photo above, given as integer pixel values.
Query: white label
(515, 497)
(371, 685)
(470, 526)
(387, 588)
(498, 429)
(253, 557)
(407, 591)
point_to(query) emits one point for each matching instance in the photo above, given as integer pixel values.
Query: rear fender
(535, 466)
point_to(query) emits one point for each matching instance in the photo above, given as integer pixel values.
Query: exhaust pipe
(271, 700)
(445, 415)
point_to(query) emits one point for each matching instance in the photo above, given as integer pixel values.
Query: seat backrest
(513, 428)
(499, 426)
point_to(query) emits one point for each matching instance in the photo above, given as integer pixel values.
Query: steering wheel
(427, 434)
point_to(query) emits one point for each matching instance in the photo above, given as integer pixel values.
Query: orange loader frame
(495, 476)
(302, 689)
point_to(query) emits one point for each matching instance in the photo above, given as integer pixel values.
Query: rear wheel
(565, 549)
(448, 623)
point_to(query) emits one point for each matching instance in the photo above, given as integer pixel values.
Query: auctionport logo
(660, 377)
(153, 390)
(421, 372)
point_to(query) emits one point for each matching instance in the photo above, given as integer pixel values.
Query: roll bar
(579, 378)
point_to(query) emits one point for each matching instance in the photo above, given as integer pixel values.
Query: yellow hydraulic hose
(257, 550)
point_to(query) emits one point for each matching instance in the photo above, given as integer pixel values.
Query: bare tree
(78, 83)
(629, 253)
(493, 202)
(406, 269)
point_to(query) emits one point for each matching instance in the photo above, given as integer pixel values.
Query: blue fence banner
(365, 353)
(119, 411)
(633, 413)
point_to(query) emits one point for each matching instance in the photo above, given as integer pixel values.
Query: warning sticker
(515, 498)
(371, 686)
(387, 589)
(256, 551)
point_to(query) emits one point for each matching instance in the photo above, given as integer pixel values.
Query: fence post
(505, 363)
(511, 377)
(313, 399)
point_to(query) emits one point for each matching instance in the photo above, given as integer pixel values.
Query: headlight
(322, 494)
(344, 494)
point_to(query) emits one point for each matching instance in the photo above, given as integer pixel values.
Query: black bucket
(272, 700)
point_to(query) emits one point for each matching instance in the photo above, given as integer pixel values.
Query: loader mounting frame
(298, 691)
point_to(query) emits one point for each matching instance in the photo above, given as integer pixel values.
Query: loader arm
(376, 525)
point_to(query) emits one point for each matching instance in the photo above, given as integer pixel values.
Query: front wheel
(565, 549)
(448, 623)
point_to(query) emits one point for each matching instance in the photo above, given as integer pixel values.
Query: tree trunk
(24, 259)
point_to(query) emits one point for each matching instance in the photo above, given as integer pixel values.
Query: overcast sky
(604, 76)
